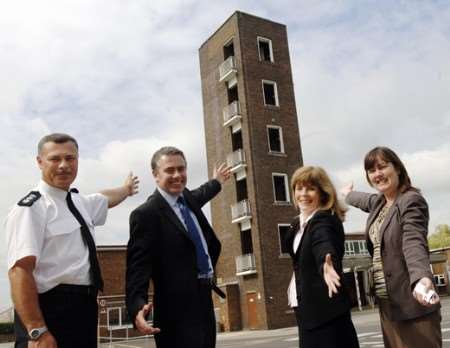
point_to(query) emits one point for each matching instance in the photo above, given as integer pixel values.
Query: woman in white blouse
(316, 243)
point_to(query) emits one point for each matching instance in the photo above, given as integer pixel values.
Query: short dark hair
(166, 151)
(386, 154)
(58, 138)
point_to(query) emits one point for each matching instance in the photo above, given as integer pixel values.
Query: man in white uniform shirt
(53, 267)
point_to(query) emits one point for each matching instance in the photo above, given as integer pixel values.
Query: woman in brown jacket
(396, 234)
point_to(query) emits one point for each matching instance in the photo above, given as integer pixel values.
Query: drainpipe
(358, 294)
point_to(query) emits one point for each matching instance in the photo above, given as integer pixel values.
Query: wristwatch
(35, 333)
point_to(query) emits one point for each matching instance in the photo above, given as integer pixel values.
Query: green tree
(440, 238)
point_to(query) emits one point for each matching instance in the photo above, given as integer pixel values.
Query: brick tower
(251, 122)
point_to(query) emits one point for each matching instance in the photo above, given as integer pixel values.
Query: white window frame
(228, 43)
(121, 323)
(117, 326)
(279, 238)
(349, 249)
(275, 90)
(281, 139)
(264, 39)
(439, 279)
(363, 247)
(286, 187)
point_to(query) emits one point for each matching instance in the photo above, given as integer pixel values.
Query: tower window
(275, 137)
(280, 188)
(282, 233)
(265, 49)
(246, 242)
(270, 93)
(241, 190)
(232, 94)
(228, 50)
(236, 141)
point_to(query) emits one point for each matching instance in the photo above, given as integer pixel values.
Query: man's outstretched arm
(117, 195)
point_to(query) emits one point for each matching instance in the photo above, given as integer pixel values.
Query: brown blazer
(404, 247)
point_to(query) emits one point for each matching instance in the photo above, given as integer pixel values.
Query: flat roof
(237, 13)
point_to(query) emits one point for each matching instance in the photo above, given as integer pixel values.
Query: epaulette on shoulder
(29, 199)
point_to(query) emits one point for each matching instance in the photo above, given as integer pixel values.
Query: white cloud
(374, 85)
(429, 168)
(123, 78)
(429, 171)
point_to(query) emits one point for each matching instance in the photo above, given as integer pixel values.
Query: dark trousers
(193, 327)
(70, 313)
(336, 333)
(297, 317)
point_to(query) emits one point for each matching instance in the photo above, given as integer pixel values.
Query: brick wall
(273, 270)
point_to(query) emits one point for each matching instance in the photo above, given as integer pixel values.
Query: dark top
(323, 234)
(159, 249)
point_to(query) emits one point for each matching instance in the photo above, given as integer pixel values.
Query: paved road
(366, 323)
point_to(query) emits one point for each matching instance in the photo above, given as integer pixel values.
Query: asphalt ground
(366, 323)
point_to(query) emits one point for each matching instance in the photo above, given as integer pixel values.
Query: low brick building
(114, 324)
(440, 261)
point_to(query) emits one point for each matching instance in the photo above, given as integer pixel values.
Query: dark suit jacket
(404, 247)
(323, 234)
(159, 249)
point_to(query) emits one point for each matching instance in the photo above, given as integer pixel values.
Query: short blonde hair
(318, 177)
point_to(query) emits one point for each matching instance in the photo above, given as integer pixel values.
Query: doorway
(252, 310)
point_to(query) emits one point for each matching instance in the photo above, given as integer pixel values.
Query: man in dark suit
(172, 243)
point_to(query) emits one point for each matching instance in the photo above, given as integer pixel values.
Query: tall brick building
(251, 121)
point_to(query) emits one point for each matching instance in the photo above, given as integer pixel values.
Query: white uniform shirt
(172, 201)
(292, 290)
(49, 231)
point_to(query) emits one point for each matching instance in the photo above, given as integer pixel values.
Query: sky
(123, 78)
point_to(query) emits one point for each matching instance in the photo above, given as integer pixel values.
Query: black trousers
(336, 333)
(70, 313)
(193, 327)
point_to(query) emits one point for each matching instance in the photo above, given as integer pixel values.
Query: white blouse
(292, 290)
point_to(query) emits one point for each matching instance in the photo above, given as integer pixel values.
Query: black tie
(96, 275)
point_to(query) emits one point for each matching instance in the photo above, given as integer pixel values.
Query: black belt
(210, 282)
(87, 290)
